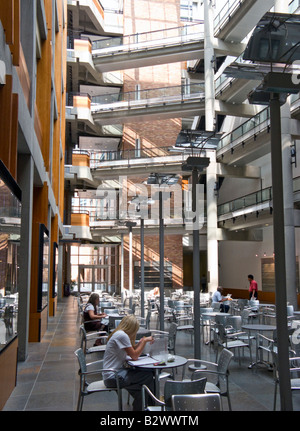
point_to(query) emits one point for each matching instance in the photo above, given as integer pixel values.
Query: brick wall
(144, 16)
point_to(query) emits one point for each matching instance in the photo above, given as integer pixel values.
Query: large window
(94, 267)
(10, 226)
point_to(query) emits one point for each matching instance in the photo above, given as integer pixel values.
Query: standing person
(120, 344)
(92, 320)
(218, 297)
(252, 287)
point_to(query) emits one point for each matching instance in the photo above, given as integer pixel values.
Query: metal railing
(225, 13)
(251, 199)
(152, 96)
(98, 158)
(256, 198)
(296, 184)
(139, 41)
(294, 5)
(244, 128)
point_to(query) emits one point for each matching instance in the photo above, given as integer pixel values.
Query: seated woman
(92, 320)
(120, 344)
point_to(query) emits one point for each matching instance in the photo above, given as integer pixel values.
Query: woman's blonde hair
(130, 325)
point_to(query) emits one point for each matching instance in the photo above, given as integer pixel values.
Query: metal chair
(196, 402)
(87, 388)
(234, 324)
(172, 387)
(216, 374)
(231, 341)
(87, 337)
(295, 382)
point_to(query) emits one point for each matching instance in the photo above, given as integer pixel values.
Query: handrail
(250, 199)
(98, 157)
(135, 41)
(247, 126)
(296, 184)
(294, 5)
(227, 10)
(154, 95)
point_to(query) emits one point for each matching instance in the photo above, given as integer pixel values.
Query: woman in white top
(93, 320)
(120, 345)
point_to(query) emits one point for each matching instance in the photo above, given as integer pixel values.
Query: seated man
(217, 297)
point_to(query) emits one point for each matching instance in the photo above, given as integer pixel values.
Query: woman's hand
(149, 339)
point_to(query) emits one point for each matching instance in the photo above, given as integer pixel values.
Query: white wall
(237, 259)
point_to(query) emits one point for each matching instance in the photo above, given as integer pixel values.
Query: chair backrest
(222, 320)
(196, 402)
(245, 316)
(83, 337)
(81, 360)
(216, 306)
(117, 322)
(109, 311)
(148, 318)
(173, 387)
(290, 310)
(235, 322)
(223, 366)
(221, 332)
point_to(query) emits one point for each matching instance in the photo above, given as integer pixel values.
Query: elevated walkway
(250, 140)
(166, 102)
(238, 17)
(150, 48)
(81, 65)
(90, 16)
(143, 166)
(253, 210)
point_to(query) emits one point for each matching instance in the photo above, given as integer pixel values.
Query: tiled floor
(48, 380)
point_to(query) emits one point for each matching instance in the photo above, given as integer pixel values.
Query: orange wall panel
(7, 19)
(80, 160)
(6, 107)
(80, 220)
(8, 371)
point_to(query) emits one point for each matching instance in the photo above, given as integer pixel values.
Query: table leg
(156, 383)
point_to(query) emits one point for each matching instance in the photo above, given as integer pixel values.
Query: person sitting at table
(92, 320)
(121, 344)
(218, 297)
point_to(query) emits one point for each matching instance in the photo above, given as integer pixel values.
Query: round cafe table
(179, 361)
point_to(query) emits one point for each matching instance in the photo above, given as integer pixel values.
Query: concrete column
(212, 224)
(25, 180)
(60, 279)
(288, 199)
(209, 66)
(122, 266)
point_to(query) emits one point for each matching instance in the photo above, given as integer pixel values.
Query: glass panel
(10, 223)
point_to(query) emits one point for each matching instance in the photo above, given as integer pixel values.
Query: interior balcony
(139, 163)
(87, 14)
(152, 104)
(79, 173)
(250, 140)
(238, 17)
(234, 90)
(149, 48)
(80, 118)
(254, 210)
(81, 65)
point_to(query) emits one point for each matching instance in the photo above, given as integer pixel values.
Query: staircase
(152, 276)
